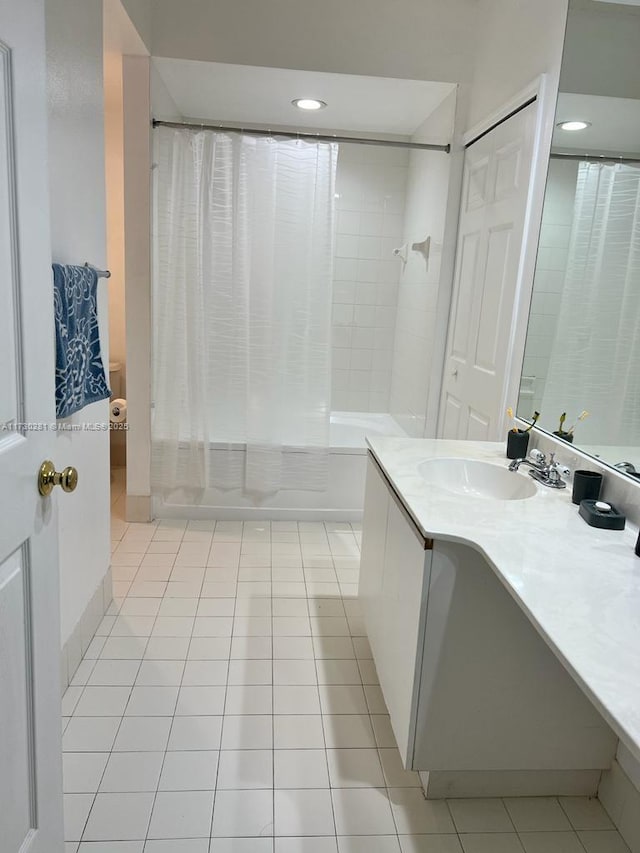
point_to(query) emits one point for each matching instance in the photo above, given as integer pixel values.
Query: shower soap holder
(601, 514)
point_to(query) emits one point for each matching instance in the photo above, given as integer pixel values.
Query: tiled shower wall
(370, 190)
(416, 356)
(551, 267)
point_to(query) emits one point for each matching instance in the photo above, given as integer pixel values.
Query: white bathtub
(343, 499)
(349, 430)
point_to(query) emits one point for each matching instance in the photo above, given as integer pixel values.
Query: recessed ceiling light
(308, 104)
(574, 125)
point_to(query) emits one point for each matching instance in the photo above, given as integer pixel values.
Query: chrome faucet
(626, 467)
(537, 461)
(548, 474)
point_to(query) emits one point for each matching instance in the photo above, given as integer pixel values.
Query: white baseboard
(243, 513)
(509, 783)
(621, 799)
(75, 647)
(139, 508)
(617, 793)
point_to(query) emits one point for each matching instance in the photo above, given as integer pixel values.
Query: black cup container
(586, 486)
(517, 444)
(565, 436)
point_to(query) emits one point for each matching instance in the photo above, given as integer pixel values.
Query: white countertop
(579, 586)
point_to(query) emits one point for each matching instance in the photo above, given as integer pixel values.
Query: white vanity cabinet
(475, 696)
(393, 589)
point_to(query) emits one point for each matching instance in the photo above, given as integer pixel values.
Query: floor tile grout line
(224, 708)
(572, 831)
(350, 614)
(83, 686)
(375, 739)
(273, 722)
(568, 816)
(166, 747)
(111, 751)
(504, 806)
(324, 736)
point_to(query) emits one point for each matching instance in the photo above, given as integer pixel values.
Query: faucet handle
(537, 455)
(556, 466)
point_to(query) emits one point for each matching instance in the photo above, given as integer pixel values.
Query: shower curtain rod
(305, 135)
(593, 158)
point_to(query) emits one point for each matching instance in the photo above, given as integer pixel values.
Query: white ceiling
(255, 95)
(118, 33)
(615, 124)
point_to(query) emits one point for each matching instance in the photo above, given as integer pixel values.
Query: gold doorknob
(48, 477)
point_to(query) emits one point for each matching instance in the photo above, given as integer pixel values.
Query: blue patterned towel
(80, 377)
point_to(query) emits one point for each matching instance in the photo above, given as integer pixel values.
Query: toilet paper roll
(118, 411)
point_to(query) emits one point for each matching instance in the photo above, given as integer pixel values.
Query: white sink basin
(475, 478)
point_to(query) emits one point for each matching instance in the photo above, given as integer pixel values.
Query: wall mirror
(582, 350)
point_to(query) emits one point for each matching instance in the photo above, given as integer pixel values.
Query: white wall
(501, 44)
(515, 41)
(370, 189)
(114, 169)
(601, 53)
(76, 166)
(519, 46)
(493, 48)
(413, 39)
(162, 104)
(137, 213)
(143, 93)
(420, 284)
(139, 12)
(114, 174)
(551, 267)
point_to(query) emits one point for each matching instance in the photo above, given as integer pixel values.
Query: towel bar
(99, 273)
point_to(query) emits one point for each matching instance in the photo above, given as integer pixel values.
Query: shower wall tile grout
(370, 198)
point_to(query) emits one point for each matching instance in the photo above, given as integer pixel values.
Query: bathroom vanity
(504, 629)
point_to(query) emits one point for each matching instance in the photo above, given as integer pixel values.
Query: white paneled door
(493, 210)
(30, 777)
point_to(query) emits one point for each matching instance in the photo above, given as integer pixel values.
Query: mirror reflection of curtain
(242, 311)
(595, 358)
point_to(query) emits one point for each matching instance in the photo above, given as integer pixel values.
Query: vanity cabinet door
(374, 535)
(394, 578)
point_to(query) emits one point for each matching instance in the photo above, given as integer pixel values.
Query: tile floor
(229, 704)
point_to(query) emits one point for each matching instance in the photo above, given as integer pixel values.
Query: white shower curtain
(242, 311)
(595, 357)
